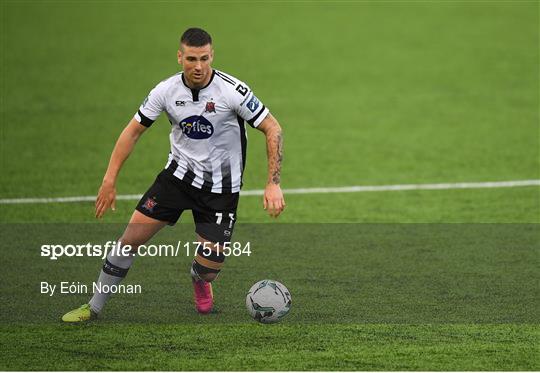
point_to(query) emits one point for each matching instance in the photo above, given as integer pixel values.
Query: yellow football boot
(81, 314)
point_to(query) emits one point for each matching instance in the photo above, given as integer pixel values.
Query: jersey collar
(195, 92)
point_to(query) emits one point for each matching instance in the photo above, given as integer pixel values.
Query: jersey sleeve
(248, 106)
(152, 106)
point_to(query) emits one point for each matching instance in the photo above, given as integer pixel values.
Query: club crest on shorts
(210, 107)
(149, 204)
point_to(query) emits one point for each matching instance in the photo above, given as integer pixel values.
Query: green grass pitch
(368, 93)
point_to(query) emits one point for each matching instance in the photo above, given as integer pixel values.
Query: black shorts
(214, 213)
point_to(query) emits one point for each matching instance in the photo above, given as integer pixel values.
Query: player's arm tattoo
(275, 155)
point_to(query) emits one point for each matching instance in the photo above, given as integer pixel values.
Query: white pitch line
(348, 189)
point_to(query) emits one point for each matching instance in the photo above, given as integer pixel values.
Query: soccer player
(207, 110)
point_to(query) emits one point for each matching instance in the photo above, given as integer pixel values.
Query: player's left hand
(273, 200)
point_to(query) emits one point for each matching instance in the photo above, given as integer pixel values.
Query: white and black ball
(268, 301)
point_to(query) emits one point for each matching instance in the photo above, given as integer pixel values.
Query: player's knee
(137, 234)
(132, 244)
(133, 240)
(208, 263)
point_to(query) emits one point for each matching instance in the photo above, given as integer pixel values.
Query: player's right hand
(106, 199)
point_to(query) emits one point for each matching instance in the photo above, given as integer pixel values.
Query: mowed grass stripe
(235, 347)
(345, 189)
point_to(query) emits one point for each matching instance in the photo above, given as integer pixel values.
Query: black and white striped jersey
(208, 136)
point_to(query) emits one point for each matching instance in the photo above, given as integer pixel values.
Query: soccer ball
(268, 301)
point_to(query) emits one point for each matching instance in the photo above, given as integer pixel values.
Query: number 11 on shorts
(219, 218)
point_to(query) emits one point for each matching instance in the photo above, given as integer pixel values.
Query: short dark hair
(195, 37)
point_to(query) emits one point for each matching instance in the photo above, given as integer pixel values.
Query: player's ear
(179, 55)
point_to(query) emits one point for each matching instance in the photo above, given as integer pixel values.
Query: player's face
(196, 62)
